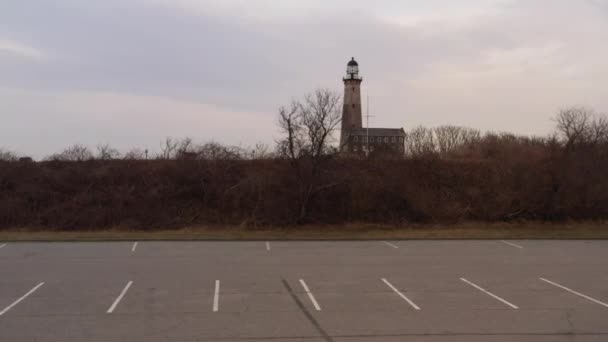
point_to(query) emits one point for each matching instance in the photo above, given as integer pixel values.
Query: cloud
(398, 10)
(16, 49)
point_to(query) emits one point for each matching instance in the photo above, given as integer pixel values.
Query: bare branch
(73, 153)
(106, 152)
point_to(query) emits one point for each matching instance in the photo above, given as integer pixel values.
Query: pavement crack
(569, 320)
(307, 313)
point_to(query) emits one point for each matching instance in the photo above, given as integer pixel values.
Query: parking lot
(305, 291)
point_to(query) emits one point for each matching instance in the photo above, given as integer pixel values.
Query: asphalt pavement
(429, 291)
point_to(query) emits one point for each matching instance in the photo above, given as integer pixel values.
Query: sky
(133, 72)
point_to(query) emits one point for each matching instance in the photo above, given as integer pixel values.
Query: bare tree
(75, 152)
(107, 152)
(6, 155)
(420, 141)
(580, 126)
(135, 154)
(185, 149)
(168, 148)
(598, 132)
(260, 151)
(308, 126)
(216, 151)
(320, 114)
(289, 124)
(451, 138)
(185, 145)
(573, 125)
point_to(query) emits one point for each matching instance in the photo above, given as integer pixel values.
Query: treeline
(448, 174)
(170, 149)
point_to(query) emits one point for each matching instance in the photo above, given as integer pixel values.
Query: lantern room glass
(352, 70)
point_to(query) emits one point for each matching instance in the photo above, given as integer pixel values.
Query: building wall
(358, 144)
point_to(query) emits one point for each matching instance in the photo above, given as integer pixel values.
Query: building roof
(378, 132)
(353, 62)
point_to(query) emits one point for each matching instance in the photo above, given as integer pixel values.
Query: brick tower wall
(352, 117)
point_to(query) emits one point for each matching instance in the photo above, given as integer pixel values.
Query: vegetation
(447, 175)
(465, 230)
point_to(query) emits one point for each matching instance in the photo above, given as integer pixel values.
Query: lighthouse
(351, 113)
(355, 140)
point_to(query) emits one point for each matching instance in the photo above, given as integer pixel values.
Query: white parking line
(3, 245)
(310, 295)
(574, 292)
(134, 247)
(267, 246)
(489, 293)
(119, 298)
(216, 297)
(512, 244)
(392, 245)
(401, 294)
(21, 299)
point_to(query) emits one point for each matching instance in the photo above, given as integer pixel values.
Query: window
(386, 139)
(356, 138)
(393, 140)
(364, 139)
(371, 139)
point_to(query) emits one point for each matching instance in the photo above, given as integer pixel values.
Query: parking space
(325, 291)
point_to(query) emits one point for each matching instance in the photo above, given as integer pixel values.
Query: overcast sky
(131, 72)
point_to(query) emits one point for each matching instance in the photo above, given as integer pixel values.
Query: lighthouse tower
(351, 113)
(356, 140)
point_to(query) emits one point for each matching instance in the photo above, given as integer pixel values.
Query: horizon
(131, 73)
